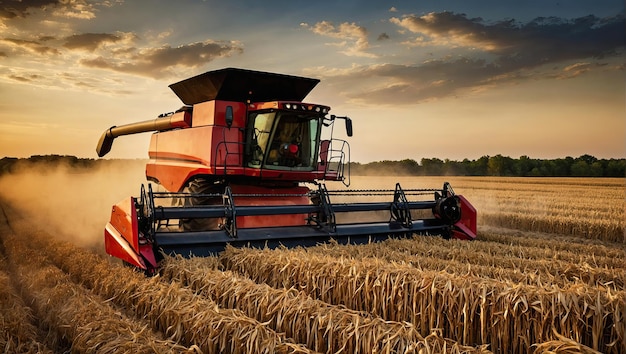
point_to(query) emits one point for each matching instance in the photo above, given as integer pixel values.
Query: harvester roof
(241, 85)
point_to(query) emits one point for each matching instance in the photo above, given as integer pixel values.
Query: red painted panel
(116, 246)
(214, 113)
(124, 220)
(172, 176)
(276, 220)
(467, 224)
(121, 234)
(228, 147)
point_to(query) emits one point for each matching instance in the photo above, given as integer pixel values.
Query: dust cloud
(73, 204)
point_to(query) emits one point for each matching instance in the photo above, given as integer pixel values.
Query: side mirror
(348, 126)
(229, 116)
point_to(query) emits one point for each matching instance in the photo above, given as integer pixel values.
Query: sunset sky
(450, 79)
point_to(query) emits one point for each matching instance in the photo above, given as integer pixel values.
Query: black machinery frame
(321, 225)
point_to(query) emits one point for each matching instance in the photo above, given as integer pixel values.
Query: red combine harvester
(243, 163)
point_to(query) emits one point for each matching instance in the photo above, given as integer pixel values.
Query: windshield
(283, 140)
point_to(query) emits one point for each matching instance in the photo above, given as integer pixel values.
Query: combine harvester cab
(244, 162)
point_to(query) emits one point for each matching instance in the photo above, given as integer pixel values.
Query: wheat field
(546, 275)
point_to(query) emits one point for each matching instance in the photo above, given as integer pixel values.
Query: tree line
(498, 165)
(45, 163)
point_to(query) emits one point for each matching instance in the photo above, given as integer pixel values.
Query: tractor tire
(201, 186)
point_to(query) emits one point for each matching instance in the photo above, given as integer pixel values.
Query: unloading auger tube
(140, 229)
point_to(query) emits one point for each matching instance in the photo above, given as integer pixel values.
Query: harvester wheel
(196, 187)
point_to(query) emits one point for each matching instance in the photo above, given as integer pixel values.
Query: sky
(448, 79)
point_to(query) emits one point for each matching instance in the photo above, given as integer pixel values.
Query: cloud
(447, 29)
(543, 39)
(44, 32)
(352, 36)
(38, 39)
(27, 78)
(36, 26)
(29, 46)
(383, 36)
(410, 84)
(18, 8)
(478, 56)
(115, 52)
(158, 62)
(90, 41)
(577, 69)
(11, 9)
(77, 9)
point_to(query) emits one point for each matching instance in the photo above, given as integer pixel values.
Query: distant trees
(498, 165)
(45, 163)
(12, 164)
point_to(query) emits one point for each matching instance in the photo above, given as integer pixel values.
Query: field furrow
(17, 333)
(507, 263)
(469, 309)
(606, 230)
(547, 273)
(78, 318)
(174, 310)
(323, 327)
(592, 208)
(557, 244)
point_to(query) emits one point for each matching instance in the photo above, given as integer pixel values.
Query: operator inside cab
(285, 149)
(283, 140)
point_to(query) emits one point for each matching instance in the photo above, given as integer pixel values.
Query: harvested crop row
(17, 333)
(323, 327)
(555, 243)
(469, 251)
(582, 207)
(511, 271)
(470, 310)
(603, 202)
(606, 230)
(459, 256)
(78, 317)
(557, 206)
(174, 310)
(555, 261)
(562, 345)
